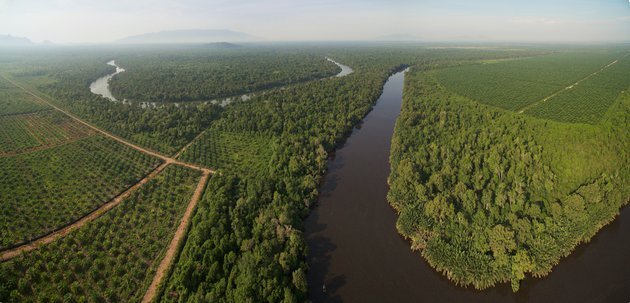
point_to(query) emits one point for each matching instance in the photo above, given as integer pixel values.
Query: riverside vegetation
(245, 241)
(490, 195)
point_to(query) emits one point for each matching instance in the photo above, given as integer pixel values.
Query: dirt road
(567, 88)
(110, 135)
(14, 252)
(11, 253)
(172, 250)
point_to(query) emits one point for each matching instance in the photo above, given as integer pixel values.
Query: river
(345, 70)
(101, 85)
(356, 252)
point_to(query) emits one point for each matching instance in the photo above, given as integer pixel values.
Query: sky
(102, 21)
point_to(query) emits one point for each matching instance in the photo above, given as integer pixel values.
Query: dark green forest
(245, 242)
(199, 74)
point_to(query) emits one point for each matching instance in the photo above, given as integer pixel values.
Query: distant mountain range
(189, 36)
(221, 45)
(8, 40)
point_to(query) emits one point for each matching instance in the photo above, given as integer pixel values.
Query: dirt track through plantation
(112, 136)
(179, 236)
(522, 110)
(14, 252)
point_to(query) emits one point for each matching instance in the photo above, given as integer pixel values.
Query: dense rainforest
(197, 74)
(245, 242)
(484, 193)
(489, 195)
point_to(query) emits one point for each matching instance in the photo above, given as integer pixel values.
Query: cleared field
(229, 150)
(588, 101)
(19, 133)
(513, 85)
(111, 259)
(44, 190)
(14, 101)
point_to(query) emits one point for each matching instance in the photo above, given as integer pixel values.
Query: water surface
(356, 252)
(345, 70)
(101, 85)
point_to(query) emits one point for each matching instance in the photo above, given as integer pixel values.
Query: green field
(515, 85)
(111, 259)
(43, 190)
(230, 150)
(14, 101)
(27, 132)
(588, 101)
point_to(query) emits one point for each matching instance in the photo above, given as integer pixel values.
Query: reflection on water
(357, 254)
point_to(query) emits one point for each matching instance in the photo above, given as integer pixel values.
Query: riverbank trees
(246, 242)
(490, 196)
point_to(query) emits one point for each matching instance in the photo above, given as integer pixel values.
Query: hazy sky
(78, 21)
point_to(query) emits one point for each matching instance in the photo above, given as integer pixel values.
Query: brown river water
(356, 252)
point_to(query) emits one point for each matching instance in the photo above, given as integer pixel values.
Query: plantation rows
(111, 259)
(515, 84)
(24, 132)
(46, 189)
(229, 150)
(15, 101)
(588, 101)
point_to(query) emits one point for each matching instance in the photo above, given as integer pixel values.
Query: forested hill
(8, 40)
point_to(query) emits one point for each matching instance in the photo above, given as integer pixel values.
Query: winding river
(345, 70)
(101, 85)
(356, 252)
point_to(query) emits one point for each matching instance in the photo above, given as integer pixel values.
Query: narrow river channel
(345, 70)
(357, 254)
(101, 85)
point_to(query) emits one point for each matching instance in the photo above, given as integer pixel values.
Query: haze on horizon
(76, 21)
